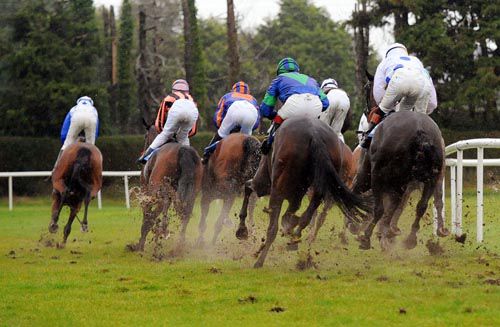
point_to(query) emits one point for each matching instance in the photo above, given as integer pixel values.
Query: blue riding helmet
(287, 65)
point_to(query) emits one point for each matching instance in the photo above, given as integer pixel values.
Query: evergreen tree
(194, 59)
(52, 62)
(126, 82)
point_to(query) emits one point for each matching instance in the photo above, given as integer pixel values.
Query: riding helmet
(85, 100)
(287, 65)
(396, 46)
(329, 84)
(180, 85)
(241, 87)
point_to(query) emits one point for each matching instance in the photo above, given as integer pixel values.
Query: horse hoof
(61, 245)
(343, 238)
(53, 228)
(442, 232)
(386, 243)
(410, 242)
(85, 228)
(364, 242)
(353, 228)
(242, 233)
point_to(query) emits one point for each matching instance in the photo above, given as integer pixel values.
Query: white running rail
(456, 179)
(125, 174)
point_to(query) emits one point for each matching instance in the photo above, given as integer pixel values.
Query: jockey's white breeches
(82, 119)
(363, 126)
(181, 117)
(304, 105)
(335, 115)
(240, 113)
(409, 87)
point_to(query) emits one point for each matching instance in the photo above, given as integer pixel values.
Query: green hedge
(120, 152)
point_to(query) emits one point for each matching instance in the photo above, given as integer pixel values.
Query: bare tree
(232, 44)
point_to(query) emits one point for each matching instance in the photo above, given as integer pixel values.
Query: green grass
(94, 281)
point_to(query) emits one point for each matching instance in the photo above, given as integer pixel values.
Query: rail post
(127, 195)
(479, 231)
(11, 195)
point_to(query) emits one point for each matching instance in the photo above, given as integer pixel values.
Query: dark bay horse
(234, 162)
(172, 176)
(407, 152)
(306, 154)
(76, 179)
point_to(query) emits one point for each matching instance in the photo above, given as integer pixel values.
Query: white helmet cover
(396, 46)
(85, 100)
(329, 84)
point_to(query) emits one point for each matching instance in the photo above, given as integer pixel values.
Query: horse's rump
(407, 145)
(79, 170)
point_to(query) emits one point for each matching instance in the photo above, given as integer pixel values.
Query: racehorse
(77, 177)
(407, 152)
(306, 154)
(172, 176)
(234, 161)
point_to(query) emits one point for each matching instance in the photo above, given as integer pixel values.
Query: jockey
(236, 109)
(180, 121)
(401, 83)
(82, 117)
(299, 94)
(335, 115)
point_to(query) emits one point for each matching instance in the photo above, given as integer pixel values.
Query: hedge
(120, 152)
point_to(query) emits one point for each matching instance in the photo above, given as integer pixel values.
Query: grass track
(94, 281)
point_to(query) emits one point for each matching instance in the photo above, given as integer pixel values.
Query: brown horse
(234, 161)
(77, 177)
(172, 176)
(407, 151)
(306, 154)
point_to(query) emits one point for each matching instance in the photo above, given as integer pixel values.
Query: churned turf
(95, 281)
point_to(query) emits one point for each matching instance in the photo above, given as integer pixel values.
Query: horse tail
(428, 157)
(326, 181)
(187, 162)
(82, 170)
(251, 157)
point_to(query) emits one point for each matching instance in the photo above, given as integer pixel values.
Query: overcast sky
(254, 12)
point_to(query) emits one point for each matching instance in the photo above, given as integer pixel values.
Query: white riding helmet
(329, 84)
(85, 100)
(396, 46)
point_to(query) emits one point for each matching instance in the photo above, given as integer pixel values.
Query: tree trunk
(188, 56)
(362, 42)
(141, 69)
(232, 44)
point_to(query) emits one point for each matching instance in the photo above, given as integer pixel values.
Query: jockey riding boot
(268, 142)
(367, 140)
(210, 148)
(142, 159)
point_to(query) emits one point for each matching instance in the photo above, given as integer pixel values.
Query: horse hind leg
(411, 240)
(290, 220)
(306, 217)
(186, 216)
(226, 207)
(85, 224)
(441, 231)
(252, 202)
(57, 204)
(392, 203)
(149, 214)
(202, 227)
(242, 231)
(319, 221)
(378, 212)
(275, 204)
(164, 232)
(67, 228)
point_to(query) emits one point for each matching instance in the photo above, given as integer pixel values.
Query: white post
(99, 200)
(453, 200)
(479, 233)
(434, 210)
(443, 196)
(11, 194)
(127, 196)
(460, 170)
